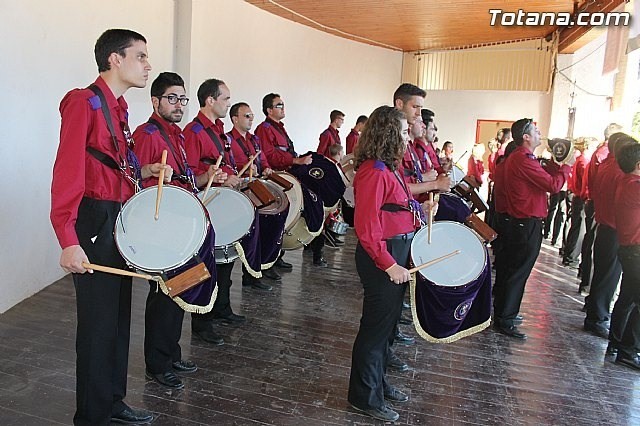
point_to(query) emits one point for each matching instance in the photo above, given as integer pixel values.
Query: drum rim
(207, 224)
(271, 185)
(224, 188)
(475, 234)
(297, 213)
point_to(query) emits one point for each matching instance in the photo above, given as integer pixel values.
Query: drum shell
(296, 201)
(297, 236)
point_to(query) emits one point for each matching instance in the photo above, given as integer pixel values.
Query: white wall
(48, 50)
(457, 112)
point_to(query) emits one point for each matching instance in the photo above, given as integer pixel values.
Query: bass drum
(232, 214)
(348, 167)
(296, 232)
(447, 237)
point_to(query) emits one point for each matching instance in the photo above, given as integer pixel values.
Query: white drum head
(456, 174)
(447, 237)
(350, 197)
(164, 244)
(231, 213)
(296, 201)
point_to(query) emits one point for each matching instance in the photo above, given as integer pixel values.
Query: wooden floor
(289, 365)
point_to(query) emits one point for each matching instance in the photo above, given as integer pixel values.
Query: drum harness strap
(186, 174)
(130, 162)
(218, 143)
(412, 206)
(246, 151)
(290, 150)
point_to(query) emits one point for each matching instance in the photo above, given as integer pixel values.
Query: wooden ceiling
(413, 25)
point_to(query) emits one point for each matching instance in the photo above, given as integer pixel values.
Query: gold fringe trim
(243, 259)
(429, 338)
(187, 307)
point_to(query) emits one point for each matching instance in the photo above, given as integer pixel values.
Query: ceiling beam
(569, 35)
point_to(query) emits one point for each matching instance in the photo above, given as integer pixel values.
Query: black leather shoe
(231, 318)
(511, 331)
(272, 274)
(280, 263)
(259, 285)
(518, 319)
(320, 262)
(405, 320)
(633, 362)
(596, 329)
(395, 395)
(130, 416)
(209, 336)
(611, 350)
(385, 413)
(184, 366)
(168, 379)
(395, 363)
(406, 306)
(403, 339)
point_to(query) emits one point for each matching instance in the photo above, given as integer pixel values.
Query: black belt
(522, 220)
(405, 237)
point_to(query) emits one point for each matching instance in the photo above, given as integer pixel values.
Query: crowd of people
(101, 165)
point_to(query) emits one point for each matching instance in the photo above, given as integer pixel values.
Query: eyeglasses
(174, 99)
(279, 105)
(249, 116)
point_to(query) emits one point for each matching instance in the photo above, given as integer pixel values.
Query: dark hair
(267, 102)
(511, 146)
(164, 81)
(210, 87)
(406, 90)
(233, 112)
(427, 115)
(381, 138)
(520, 128)
(114, 41)
(444, 145)
(362, 119)
(616, 139)
(506, 132)
(335, 149)
(335, 114)
(628, 157)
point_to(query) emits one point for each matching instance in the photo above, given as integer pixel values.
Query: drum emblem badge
(462, 310)
(316, 173)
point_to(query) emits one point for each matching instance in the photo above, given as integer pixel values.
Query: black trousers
(381, 309)
(104, 317)
(162, 330)
(556, 215)
(624, 332)
(222, 305)
(316, 246)
(501, 226)
(573, 244)
(521, 249)
(586, 265)
(606, 275)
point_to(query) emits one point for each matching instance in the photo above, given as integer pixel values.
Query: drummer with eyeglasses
(386, 217)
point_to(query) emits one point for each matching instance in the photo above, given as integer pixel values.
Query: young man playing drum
(95, 172)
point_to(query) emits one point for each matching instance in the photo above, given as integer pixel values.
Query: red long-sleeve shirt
(375, 185)
(199, 145)
(149, 146)
(604, 191)
(76, 173)
(475, 168)
(427, 155)
(601, 154)
(241, 146)
(329, 137)
(627, 211)
(579, 174)
(352, 140)
(275, 145)
(527, 184)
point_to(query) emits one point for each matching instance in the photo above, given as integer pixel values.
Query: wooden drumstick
(160, 184)
(434, 261)
(208, 200)
(249, 163)
(210, 181)
(115, 271)
(430, 218)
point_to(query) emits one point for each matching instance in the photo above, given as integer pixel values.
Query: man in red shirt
(600, 154)
(95, 172)
(331, 135)
(425, 145)
(606, 267)
(625, 319)
(352, 137)
(526, 188)
(205, 141)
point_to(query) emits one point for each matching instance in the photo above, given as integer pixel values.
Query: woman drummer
(385, 220)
